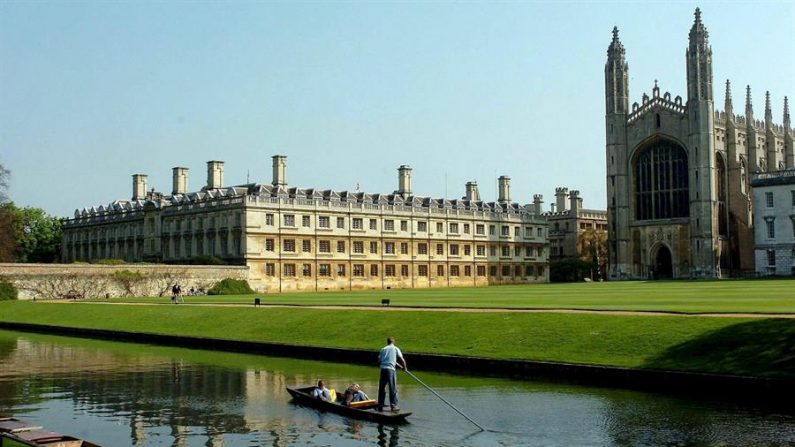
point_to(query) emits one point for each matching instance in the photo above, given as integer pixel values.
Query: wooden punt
(17, 433)
(368, 411)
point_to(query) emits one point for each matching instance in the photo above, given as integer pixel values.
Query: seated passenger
(321, 392)
(354, 393)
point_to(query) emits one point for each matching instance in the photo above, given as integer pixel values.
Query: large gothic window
(661, 182)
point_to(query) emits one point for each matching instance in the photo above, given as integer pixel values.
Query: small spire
(615, 48)
(749, 108)
(786, 115)
(728, 108)
(699, 32)
(768, 109)
(698, 15)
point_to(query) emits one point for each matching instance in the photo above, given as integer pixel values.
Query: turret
(538, 203)
(699, 62)
(561, 195)
(472, 192)
(789, 152)
(215, 174)
(279, 171)
(616, 77)
(404, 181)
(727, 103)
(576, 202)
(139, 186)
(750, 128)
(179, 180)
(770, 139)
(504, 188)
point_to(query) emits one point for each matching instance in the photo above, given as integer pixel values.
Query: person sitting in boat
(321, 392)
(354, 393)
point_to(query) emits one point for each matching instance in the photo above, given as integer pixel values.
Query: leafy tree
(592, 247)
(8, 245)
(37, 235)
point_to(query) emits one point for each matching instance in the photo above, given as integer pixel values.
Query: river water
(122, 394)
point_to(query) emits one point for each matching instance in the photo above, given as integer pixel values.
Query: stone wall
(62, 281)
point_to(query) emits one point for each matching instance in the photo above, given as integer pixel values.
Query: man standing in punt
(389, 358)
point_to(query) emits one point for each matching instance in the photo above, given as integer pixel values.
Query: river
(124, 394)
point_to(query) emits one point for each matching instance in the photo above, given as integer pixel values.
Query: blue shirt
(388, 356)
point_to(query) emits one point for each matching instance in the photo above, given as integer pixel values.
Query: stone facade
(774, 223)
(679, 200)
(567, 222)
(308, 239)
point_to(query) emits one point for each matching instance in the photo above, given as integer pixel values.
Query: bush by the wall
(206, 260)
(231, 286)
(7, 290)
(110, 261)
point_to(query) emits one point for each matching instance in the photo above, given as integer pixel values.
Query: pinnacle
(698, 15)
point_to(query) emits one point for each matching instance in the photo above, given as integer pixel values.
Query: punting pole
(444, 400)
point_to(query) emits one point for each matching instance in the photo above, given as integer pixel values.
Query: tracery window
(661, 182)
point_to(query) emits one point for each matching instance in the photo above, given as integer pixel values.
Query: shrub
(231, 286)
(110, 261)
(206, 260)
(7, 291)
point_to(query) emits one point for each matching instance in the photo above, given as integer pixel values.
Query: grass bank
(754, 347)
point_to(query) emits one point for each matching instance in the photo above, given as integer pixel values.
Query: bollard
(256, 302)
(385, 302)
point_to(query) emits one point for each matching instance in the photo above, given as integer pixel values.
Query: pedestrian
(174, 294)
(389, 358)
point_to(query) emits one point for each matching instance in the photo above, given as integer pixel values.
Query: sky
(93, 92)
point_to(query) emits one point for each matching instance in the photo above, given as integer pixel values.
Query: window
(289, 245)
(289, 269)
(324, 269)
(373, 224)
(769, 199)
(540, 232)
(467, 250)
(306, 270)
(373, 247)
(357, 223)
(340, 269)
(529, 270)
(481, 270)
(506, 251)
(404, 248)
(324, 246)
(480, 229)
(389, 248)
(422, 248)
(505, 230)
(270, 269)
(661, 182)
(771, 227)
(404, 270)
(439, 249)
(358, 269)
(517, 271)
(422, 226)
(289, 220)
(305, 221)
(454, 270)
(453, 249)
(466, 228)
(439, 227)
(373, 270)
(340, 222)
(517, 250)
(480, 250)
(771, 262)
(306, 246)
(467, 270)
(528, 251)
(323, 221)
(422, 270)
(492, 229)
(404, 225)
(389, 270)
(389, 225)
(269, 219)
(492, 250)
(506, 270)
(269, 245)
(516, 231)
(439, 270)
(358, 247)
(453, 227)
(528, 231)
(793, 198)
(340, 246)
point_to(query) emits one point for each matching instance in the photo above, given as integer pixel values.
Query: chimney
(215, 174)
(404, 180)
(279, 170)
(561, 194)
(575, 202)
(472, 192)
(504, 189)
(179, 180)
(538, 201)
(139, 186)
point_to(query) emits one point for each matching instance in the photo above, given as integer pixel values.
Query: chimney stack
(179, 180)
(538, 202)
(215, 174)
(504, 189)
(279, 170)
(139, 186)
(561, 194)
(575, 202)
(472, 192)
(404, 180)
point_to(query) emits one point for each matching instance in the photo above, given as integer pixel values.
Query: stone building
(679, 199)
(774, 222)
(568, 221)
(310, 239)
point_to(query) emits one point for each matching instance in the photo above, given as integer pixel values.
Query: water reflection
(183, 398)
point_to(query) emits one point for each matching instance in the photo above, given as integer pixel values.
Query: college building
(678, 171)
(774, 222)
(309, 239)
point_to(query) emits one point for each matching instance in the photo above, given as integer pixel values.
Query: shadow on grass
(764, 348)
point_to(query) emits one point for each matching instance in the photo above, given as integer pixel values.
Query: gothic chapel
(679, 200)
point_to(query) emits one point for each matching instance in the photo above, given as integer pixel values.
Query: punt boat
(17, 433)
(366, 410)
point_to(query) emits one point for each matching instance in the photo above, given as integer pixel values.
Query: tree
(592, 247)
(36, 235)
(8, 245)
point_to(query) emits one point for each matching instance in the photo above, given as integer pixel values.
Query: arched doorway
(663, 267)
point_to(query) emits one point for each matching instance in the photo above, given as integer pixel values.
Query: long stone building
(679, 199)
(568, 222)
(309, 239)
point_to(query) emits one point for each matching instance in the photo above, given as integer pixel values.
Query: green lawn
(754, 296)
(751, 346)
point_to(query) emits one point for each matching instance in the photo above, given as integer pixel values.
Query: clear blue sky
(91, 93)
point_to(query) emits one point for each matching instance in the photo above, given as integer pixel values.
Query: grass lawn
(752, 296)
(754, 346)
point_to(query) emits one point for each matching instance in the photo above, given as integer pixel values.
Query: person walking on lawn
(389, 358)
